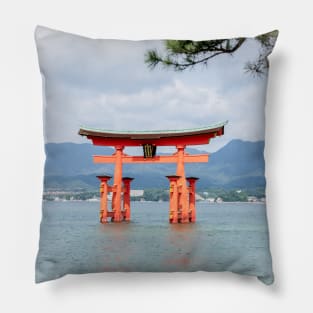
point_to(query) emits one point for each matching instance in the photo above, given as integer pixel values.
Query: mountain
(239, 164)
(71, 159)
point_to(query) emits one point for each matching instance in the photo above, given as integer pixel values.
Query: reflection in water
(182, 240)
(114, 245)
(225, 237)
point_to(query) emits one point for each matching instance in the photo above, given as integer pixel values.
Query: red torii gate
(182, 197)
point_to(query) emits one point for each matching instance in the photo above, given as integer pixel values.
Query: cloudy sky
(106, 84)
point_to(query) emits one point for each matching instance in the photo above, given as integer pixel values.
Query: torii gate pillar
(192, 197)
(126, 197)
(104, 189)
(173, 214)
(117, 187)
(182, 186)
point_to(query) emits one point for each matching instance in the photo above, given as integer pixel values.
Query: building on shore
(136, 192)
(210, 200)
(252, 199)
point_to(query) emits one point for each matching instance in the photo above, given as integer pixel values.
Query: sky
(106, 84)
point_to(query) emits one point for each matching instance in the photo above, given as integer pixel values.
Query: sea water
(226, 236)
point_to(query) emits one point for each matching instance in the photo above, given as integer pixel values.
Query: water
(227, 236)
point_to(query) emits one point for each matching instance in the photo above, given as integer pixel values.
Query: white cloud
(172, 106)
(106, 84)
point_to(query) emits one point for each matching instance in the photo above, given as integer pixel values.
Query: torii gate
(182, 197)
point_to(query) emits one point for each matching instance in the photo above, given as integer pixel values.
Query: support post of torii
(126, 198)
(173, 213)
(104, 188)
(192, 197)
(183, 206)
(117, 187)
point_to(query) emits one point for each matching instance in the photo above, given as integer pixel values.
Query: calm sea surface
(227, 236)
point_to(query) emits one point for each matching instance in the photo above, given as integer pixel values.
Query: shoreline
(207, 202)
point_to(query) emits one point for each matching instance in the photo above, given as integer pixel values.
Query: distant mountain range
(239, 164)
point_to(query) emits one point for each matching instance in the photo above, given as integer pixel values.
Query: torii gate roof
(200, 135)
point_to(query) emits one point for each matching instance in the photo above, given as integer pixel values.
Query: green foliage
(233, 195)
(86, 195)
(186, 53)
(183, 54)
(83, 195)
(156, 195)
(257, 192)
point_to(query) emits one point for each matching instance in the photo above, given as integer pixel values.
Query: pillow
(154, 155)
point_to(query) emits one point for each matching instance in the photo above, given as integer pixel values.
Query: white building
(218, 200)
(136, 193)
(199, 198)
(252, 199)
